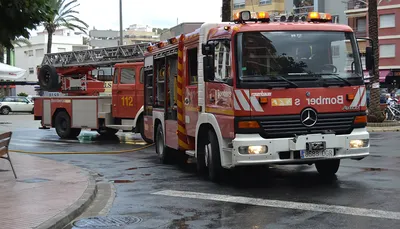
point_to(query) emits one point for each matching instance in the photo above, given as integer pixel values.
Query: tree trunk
(8, 56)
(226, 10)
(1, 54)
(49, 40)
(374, 111)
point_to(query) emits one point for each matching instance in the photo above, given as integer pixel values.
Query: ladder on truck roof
(96, 57)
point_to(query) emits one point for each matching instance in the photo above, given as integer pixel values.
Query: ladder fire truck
(84, 103)
(258, 91)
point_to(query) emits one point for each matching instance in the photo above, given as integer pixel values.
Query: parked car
(15, 104)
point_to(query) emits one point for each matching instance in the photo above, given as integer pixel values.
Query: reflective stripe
(243, 102)
(256, 105)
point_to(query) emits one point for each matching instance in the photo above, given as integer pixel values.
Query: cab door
(126, 90)
(115, 91)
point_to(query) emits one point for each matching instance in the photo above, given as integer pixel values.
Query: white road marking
(284, 204)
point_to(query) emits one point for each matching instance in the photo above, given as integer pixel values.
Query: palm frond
(19, 41)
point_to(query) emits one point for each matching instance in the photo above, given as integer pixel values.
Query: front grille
(290, 125)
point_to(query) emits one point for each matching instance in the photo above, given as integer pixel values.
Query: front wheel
(63, 126)
(327, 168)
(161, 149)
(209, 158)
(140, 125)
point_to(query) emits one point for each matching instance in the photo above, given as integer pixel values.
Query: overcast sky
(156, 13)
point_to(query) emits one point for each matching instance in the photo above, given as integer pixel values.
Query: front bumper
(287, 150)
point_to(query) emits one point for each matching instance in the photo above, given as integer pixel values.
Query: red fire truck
(84, 103)
(258, 91)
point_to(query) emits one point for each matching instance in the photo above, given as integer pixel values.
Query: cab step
(190, 152)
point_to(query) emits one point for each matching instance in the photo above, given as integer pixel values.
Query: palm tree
(375, 113)
(226, 10)
(64, 15)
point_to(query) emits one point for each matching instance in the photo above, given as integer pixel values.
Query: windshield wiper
(287, 81)
(336, 76)
(268, 79)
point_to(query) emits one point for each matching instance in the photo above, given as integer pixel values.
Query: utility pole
(121, 31)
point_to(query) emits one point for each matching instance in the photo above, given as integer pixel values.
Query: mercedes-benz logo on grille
(308, 117)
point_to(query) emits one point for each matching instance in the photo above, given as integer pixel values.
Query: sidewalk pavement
(47, 194)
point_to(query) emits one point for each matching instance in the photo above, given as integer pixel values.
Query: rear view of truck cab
(300, 96)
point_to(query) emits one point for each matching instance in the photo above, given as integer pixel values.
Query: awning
(8, 72)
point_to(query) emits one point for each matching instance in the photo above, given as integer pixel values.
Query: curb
(383, 129)
(384, 124)
(73, 211)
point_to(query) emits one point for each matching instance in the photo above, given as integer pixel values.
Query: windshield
(298, 59)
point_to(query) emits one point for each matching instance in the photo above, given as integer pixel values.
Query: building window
(335, 51)
(30, 53)
(238, 4)
(265, 2)
(361, 24)
(31, 71)
(39, 52)
(335, 18)
(387, 51)
(387, 21)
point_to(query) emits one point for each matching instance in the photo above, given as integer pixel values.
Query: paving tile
(43, 189)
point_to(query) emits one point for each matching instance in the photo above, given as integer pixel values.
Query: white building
(29, 58)
(140, 28)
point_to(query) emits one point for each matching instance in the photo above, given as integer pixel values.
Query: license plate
(317, 153)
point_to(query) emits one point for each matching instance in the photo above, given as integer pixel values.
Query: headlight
(253, 149)
(354, 144)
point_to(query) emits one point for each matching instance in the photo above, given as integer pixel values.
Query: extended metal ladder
(96, 57)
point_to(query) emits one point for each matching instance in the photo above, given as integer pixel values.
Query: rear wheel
(327, 168)
(63, 126)
(161, 149)
(5, 110)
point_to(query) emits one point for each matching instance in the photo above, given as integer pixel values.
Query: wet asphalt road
(148, 190)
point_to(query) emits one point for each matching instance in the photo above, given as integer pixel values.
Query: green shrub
(22, 94)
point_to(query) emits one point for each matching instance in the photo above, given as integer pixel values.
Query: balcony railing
(356, 4)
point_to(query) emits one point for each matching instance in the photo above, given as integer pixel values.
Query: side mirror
(369, 58)
(207, 49)
(208, 66)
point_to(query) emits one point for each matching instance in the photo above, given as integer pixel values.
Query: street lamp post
(121, 35)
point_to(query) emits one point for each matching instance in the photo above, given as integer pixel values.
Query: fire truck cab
(258, 91)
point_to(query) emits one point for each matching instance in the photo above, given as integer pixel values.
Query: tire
(215, 170)
(162, 150)
(327, 168)
(33, 111)
(201, 156)
(140, 124)
(48, 78)
(63, 126)
(107, 131)
(5, 110)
